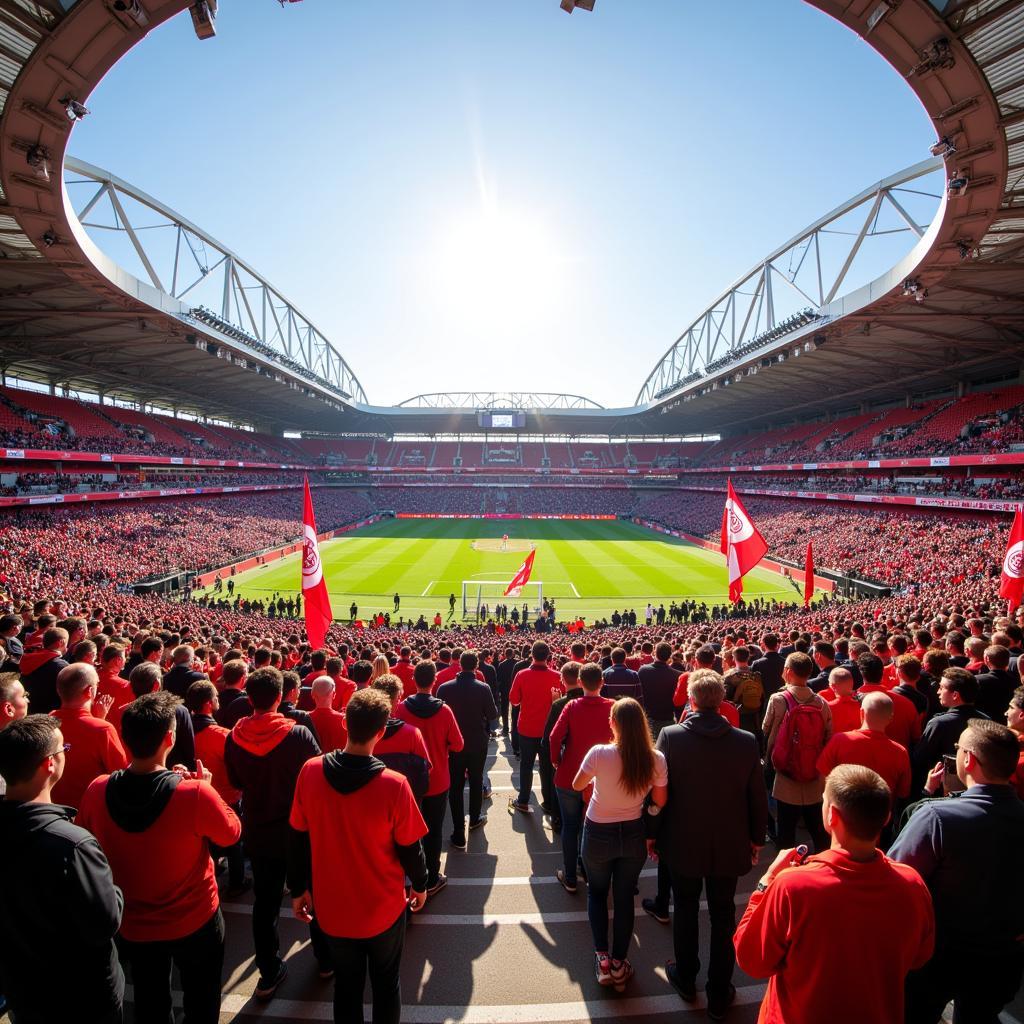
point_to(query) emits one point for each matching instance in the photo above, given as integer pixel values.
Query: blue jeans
(570, 805)
(529, 750)
(614, 855)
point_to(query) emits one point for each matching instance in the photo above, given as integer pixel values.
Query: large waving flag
(742, 544)
(1011, 580)
(522, 576)
(314, 588)
(808, 576)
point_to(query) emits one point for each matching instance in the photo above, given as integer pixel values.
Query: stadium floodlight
(133, 9)
(49, 238)
(958, 185)
(937, 56)
(75, 111)
(204, 18)
(879, 13)
(38, 158)
(911, 286)
(944, 147)
(570, 5)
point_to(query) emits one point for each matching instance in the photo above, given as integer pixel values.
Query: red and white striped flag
(522, 576)
(314, 588)
(808, 576)
(742, 544)
(1011, 580)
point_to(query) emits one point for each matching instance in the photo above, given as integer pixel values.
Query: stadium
(855, 401)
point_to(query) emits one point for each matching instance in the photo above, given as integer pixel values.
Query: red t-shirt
(884, 906)
(330, 727)
(583, 723)
(531, 690)
(210, 750)
(165, 872)
(449, 673)
(873, 750)
(406, 740)
(679, 698)
(442, 736)
(343, 690)
(1017, 779)
(117, 687)
(358, 882)
(95, 750)
(905, 727)
(404, 668)
(845, 712)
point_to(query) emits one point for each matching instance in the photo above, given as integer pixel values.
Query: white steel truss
(499, 400)
(212, 286)
(793, 287)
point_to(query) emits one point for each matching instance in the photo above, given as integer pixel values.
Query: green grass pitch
(588, 567)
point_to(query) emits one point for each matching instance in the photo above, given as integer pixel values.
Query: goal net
(478, 594)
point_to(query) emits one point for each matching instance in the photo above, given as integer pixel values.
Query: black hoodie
(135, 801)
(348, 773)
(58, 919)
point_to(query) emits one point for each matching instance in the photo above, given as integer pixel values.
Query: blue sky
(494, 195)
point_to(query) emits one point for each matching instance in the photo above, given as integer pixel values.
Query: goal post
(477, 593)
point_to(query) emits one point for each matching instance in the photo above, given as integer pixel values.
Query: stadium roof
(950, 312)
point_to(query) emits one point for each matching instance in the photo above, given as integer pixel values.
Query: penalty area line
(575, 592)
(428, 588)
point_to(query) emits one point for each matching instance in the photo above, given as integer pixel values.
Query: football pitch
(588, 568)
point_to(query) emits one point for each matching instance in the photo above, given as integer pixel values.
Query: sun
(497, 264)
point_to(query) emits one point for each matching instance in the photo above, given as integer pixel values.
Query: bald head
(878, 710)
(75, 684)
(323, 691)
(841, 681)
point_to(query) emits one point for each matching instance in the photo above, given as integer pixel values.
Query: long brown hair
(635, 746)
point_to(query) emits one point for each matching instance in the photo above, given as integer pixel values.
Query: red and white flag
(808, 576)
(314, 588)
(522, 576)
(742, 544)
(1011, 581)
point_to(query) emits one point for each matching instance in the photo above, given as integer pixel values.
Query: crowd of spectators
(70, 483)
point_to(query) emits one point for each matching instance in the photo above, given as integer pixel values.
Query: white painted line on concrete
(508, 880)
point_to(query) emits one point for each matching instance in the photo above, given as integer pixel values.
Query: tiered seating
(445, 453)
(860, 438)
(158, 427)
(81, 420)
(943, 430)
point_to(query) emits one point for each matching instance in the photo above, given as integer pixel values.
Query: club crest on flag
(1013, 563)
(312, 570)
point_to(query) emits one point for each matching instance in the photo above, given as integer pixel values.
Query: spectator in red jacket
(841, 702)
(905, 726)
(441, 733)
(883, 907)
(534, 689)
(351, 810)
(156, 827)
(112, 683)
(202, 703)
(583, 723)
(94, 748)
(329, 724)
(404, 669)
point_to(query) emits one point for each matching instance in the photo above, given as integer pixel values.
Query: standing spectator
(351, 810)
(234, 704)
(581, 724)
(111, 682)
(403, 668)
(264, 755)
(571, 689)
(658, 684)
(843, 706)
(39, 670)
(793, 742)
(905, 726)
(506, 672)
(146, 678)
(65, 910)
(533, 691)
(711, 832)
(440, 732)
(1014, 719)
(623, 773)
(996, 684)
(181, 674)
(770, 665)
(968, 848)
(156, 827)
(401, 748)
(329, 724)
(880, 905)
(94, 748)
(958, 690)
(473, 707)
(620, 680)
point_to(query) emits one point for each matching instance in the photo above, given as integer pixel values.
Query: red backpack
(800, 739)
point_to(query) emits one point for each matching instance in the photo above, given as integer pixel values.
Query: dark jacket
(184, 749)
(820, 681)
(289, 710)
(620, 681)
(939, 737)
(473, 706)
(995, 688)
(770, 667)
(179, 679)
(59, 913)
(264, 761)
(556, 710)
(234, 706)
(969, 849)
(506, 673)
(658, 682)
(39, 671)
(717, 800)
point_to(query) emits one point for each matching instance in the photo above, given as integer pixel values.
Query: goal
(477, 593)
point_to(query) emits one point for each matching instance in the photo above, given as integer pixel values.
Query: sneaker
(266, 987)
(621, 973)
(718, 1006)
(603, 968)
(459, 842)
(479, 823)
(686, 987)
(568, 886)
(652, 908)
(514, 805)
(442, 881)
